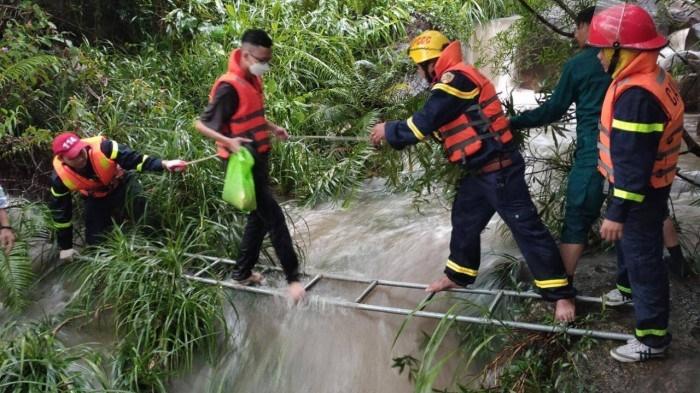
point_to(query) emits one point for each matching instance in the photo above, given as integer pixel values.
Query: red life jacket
(459, 137)
(249, 119)
(643, 72)
(107, 170)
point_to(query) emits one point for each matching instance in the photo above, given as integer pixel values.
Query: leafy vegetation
(161, 321)
(339, 70)
(500, 359)
(32, 360)
(16, 270)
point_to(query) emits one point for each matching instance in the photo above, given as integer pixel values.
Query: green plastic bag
(239, 186)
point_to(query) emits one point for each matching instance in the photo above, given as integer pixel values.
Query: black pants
(641, 271)
(126, 201)
(504, 192)
(267, 218)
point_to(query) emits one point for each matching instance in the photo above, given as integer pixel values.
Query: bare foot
(565, 310)
(441, 284)
(255, 278)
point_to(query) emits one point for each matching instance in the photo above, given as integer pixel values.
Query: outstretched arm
(551, 110)
(448, 99)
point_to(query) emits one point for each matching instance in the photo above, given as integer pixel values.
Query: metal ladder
(358, 302)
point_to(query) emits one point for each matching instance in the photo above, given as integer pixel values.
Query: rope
(299, 137)
(331, 138)
(202, 159)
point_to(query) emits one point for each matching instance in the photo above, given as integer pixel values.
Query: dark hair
(585, 16)
(257, 37)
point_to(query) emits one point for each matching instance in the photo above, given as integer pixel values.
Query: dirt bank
(678, 372)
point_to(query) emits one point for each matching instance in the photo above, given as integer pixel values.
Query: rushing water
(319, 348)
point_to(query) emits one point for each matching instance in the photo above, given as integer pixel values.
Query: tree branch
(693, 146)
(545, 21)
(688, 180)
(79, 316)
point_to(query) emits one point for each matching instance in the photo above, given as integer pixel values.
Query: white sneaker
(616, 298)
(635, 351)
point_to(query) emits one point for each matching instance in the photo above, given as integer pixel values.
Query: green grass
(499, 359)
(16, 271)
(32, 360)
(161, 321)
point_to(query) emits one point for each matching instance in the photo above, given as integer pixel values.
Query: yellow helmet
(428, 45)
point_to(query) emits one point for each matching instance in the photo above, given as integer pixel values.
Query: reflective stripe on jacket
(663, 87)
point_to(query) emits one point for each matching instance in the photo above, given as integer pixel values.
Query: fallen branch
(691, 181)
(693, 146)
(79, 316)
(545, 21)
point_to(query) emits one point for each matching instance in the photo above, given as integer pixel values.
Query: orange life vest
(643, 72)
(107, 170)
(249, 119)
(459, 137)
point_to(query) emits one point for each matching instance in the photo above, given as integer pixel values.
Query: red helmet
(625, 26)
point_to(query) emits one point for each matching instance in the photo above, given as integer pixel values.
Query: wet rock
(685, 66)
(684, 12)
(695, 331)
(690, 91)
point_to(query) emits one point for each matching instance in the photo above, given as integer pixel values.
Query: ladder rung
(199, 273)
(434, 315)
(208, 258)
(313, 282)
(495, 301)
(366, 292)
(476, 291)
(426, 299)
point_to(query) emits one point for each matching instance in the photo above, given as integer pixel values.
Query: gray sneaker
(616, 298)
(635, 351)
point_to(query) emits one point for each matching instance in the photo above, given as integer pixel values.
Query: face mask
(258, 69)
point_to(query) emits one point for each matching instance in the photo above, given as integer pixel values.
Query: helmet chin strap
(425, 66)
(615, 59)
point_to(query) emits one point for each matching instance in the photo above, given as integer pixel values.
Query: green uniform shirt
(584, 82)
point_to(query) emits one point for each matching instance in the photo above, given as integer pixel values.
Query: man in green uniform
(584, 82)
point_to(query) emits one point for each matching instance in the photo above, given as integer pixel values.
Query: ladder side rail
(436, 315)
